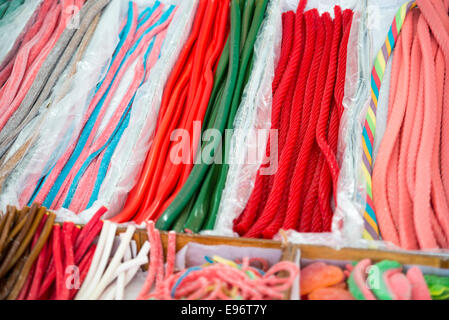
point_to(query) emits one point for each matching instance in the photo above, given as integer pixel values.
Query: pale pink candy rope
(422, 208)
(154, 252)
(439, 200)
(407, 235)
(171, 254)
(195, 285)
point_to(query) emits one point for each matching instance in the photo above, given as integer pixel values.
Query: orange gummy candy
(330, 294)
(319, 275)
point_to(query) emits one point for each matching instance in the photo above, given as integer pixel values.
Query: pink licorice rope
(153, 261)
(43, 11)
(171, 254)
(25, 59)
(211, 281)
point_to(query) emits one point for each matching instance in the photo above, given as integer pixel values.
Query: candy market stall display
(223, 149)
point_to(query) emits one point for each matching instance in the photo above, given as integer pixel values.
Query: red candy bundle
(65, 259)
(308, 91)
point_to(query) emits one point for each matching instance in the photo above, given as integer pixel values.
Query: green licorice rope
(217, 90)
(219, 186)
(246, 67)
(201, 209)
(248, 12)
(199, 171)
(181, 221)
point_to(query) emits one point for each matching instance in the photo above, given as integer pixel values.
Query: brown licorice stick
(11, 211)
(33, 256)
(8, 166)
(12, 279)
(26, 111)
(2, 220)
(29, 236)
(21, 220)
(11, 249)
(22, 213)
(19, 244)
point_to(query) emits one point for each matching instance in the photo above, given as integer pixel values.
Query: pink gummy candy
(420, 291)
(400, 286)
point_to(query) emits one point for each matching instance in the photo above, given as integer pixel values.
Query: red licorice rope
(84, 240)
(202, 98)
(299, 195)
(180, 63)
(281, 178)
(69, 261)
(315, 83)
(314, 166)
(288, 32)
(58, 262)
(84, 266)
(297, 188)
(326, 127)
(306, 140)
(281, 101)
(191, 83)
(200, 87)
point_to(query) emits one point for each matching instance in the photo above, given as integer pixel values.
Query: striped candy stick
(371, 230)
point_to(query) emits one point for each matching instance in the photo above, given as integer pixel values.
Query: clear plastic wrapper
(252, 118)
(128, 158)
(371, 21)
(368, 36)
(241, 178)
(61, 123)
(13, 28)
(56, 126)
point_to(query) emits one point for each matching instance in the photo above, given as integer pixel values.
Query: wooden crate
(312, 251)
